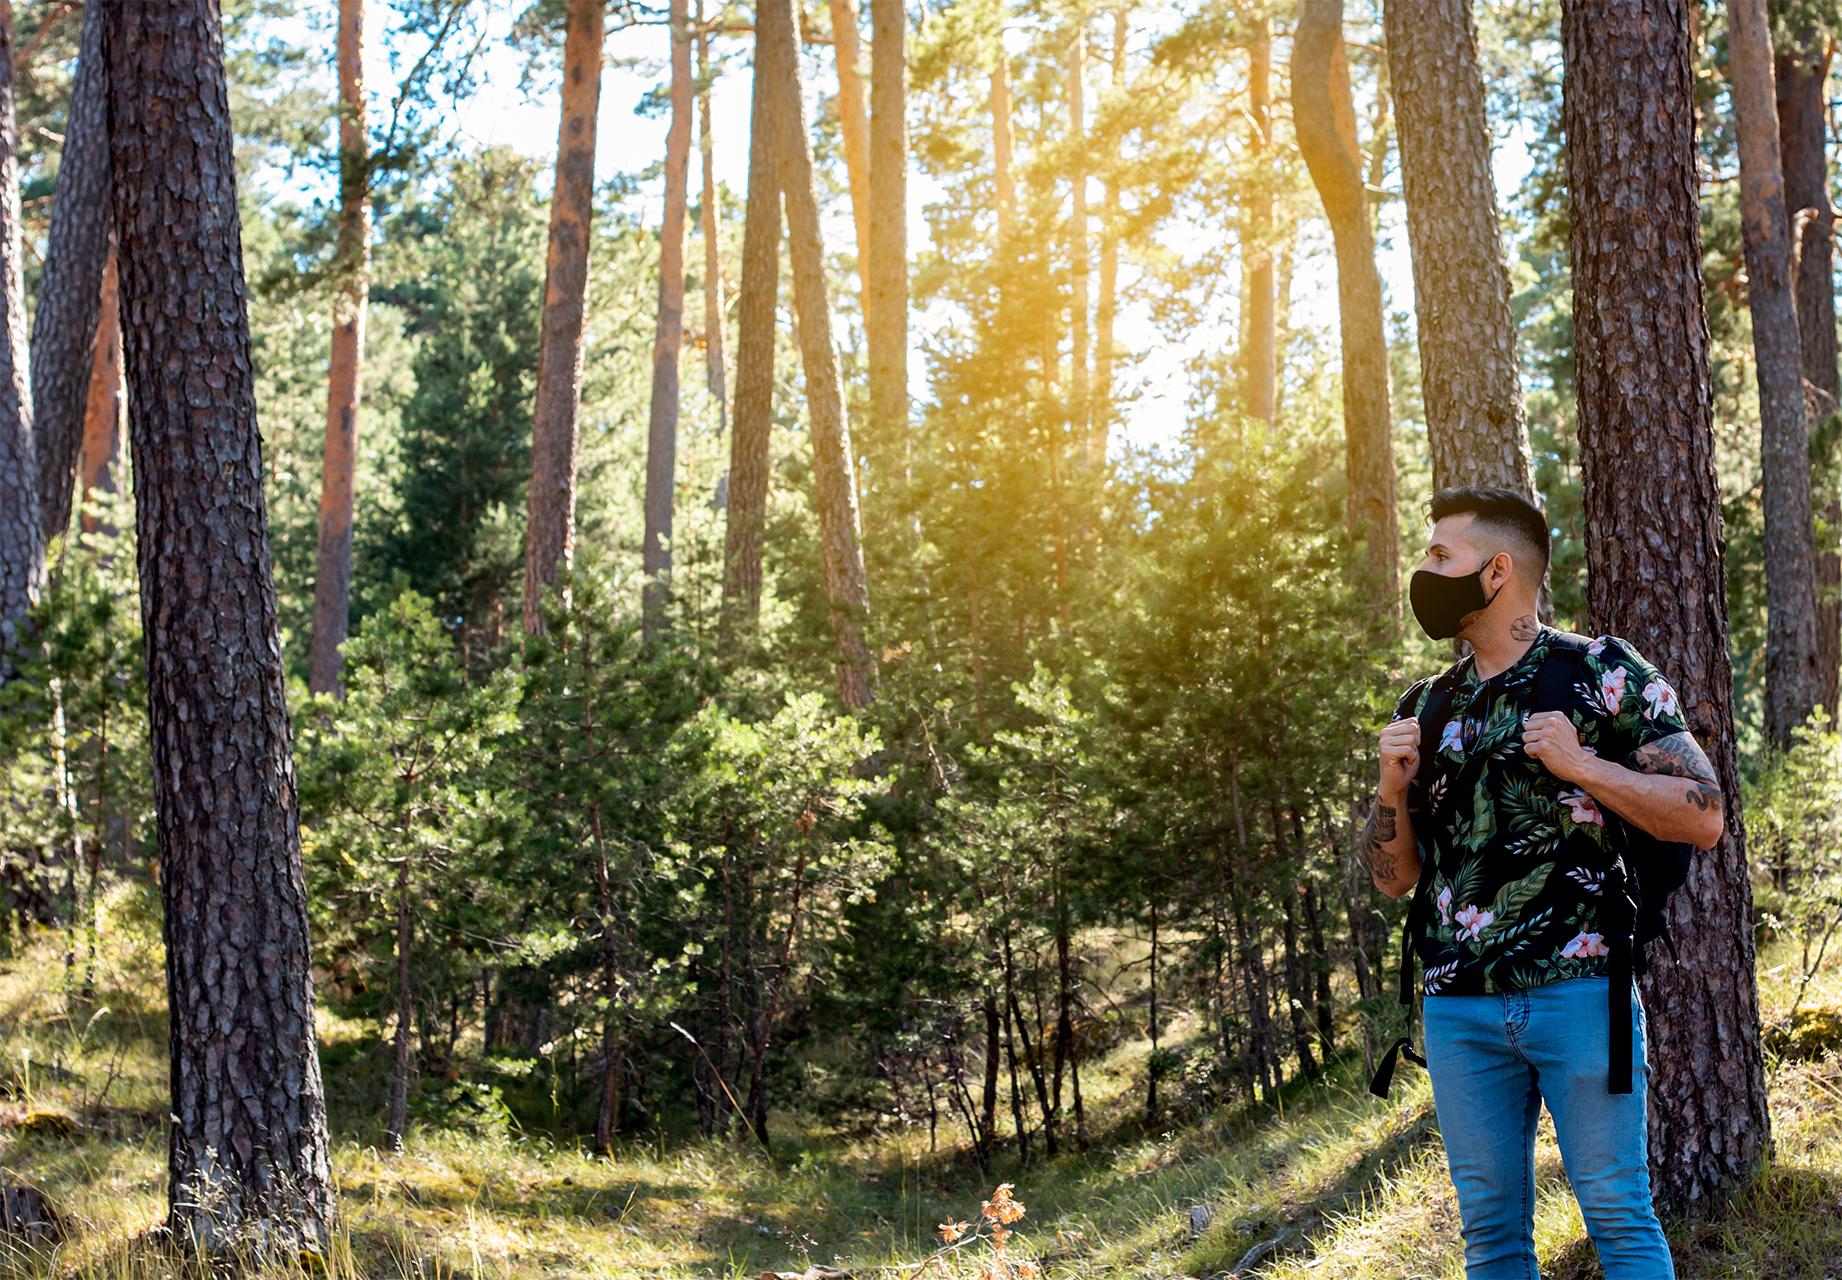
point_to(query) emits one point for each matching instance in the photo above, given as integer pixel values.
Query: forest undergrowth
(1324, 1181)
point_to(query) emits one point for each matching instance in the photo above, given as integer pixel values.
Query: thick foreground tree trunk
(846, 587)
(248, 1150)
(1800, 77)
(70, 286)
(662, 429)
(1324, 118)
(754, 404)
(550, 529)
(22, 539)
(1654, 546)
(1792, 684)
(1474, 414)
(332, 586)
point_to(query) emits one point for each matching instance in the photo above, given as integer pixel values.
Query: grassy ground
(1353, 1187)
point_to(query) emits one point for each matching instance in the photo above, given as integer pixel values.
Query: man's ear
(1508, 572)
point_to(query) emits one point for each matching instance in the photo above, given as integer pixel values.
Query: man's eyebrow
(1432, 546)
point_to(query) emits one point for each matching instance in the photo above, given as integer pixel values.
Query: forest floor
(1349, 1185)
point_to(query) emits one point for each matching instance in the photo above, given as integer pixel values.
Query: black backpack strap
(1433, 715)
(1618, 910)
(1554, 680)
(1619, 920)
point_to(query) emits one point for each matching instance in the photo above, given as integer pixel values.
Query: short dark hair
(1501, 511)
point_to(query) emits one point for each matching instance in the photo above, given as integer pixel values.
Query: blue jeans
(1493, 1060)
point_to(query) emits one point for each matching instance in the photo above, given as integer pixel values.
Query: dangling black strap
(1384, 1074)
(1619, 924)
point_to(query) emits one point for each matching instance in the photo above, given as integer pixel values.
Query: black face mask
(1441, 601)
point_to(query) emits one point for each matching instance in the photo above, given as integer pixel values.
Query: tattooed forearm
(1657, 787)
(1680, 756)
(1377, 835)
(1524, 628)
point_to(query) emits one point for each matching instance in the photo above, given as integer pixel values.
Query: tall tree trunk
(1324, 118)
(887, 313)
(1107, 306)
(846, 587)
(854, 127)
(1078, 250)
(22, 536)
(1320, 967)
(607, 1112)
(710, 218)
(332, 588)
(754, 406)
(988, 1094)
(1004, 184)
(105, 418)
(1259, 335)
(1653, 544)
(550, 528)
(1793, 685)
(1151, 1075)
(1474, 415)
(1801, 74)
(400, 1055)
(662, 434)
(70, 286)
(248, 1146)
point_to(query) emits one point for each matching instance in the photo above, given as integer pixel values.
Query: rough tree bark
(22, 537)
(1801, 73)
(886, 315)
(754, 404)
(710, 219)
(70, 286)
(662, 432)
(854, 128)
(1654, 546)
(550, 529)
(332, 586)
(1474, 414)
(248, 1147)
(1324, 118)
(846, 587)
(1792, 684)
(105, 419)
(1259, 335)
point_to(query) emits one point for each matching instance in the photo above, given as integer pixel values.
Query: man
(1525, 810)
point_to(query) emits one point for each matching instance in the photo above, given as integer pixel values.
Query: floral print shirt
(1519, 864)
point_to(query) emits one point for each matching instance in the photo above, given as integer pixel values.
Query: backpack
(1637, 887)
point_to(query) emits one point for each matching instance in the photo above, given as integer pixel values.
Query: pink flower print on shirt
(1453, 738)
(1444, 903)
(1473, 920)
(1612, 689)
(1584, 809)
(1661, 697)
(1586, 944)
(1597, 646)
